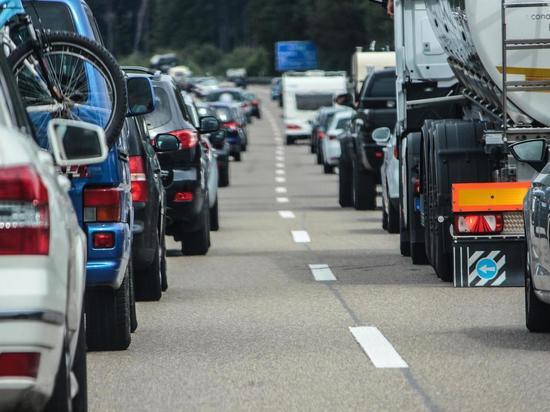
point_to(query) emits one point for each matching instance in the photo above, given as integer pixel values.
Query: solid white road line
(280, 171)
(282, 200)
(280, 179)
(380, 351)
(280, 190)
(322, 273)
(287, 214)
(300, 236)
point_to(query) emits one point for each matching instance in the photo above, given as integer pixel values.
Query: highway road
(254, 326)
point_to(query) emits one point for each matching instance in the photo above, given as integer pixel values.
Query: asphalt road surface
(252, 326)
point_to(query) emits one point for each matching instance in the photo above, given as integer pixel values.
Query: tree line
(213, 34)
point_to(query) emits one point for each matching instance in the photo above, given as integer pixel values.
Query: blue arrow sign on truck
(295, 55)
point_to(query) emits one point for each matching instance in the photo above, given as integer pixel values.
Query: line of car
(83, 221)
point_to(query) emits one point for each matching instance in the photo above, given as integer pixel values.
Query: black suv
(149, 201)
(185, 170)
(361, 157)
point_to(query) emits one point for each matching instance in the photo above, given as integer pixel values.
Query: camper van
(364, 63)
(303, 94)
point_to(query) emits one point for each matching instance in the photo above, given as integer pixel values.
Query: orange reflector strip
(489, 197)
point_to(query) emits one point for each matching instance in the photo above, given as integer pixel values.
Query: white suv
(42, 261)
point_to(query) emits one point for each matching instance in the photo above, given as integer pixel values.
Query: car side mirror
(533, 152)
(345, 99)
(381, 135)
(141, 97)
(77, 143)
(166, 143)
(209, 124)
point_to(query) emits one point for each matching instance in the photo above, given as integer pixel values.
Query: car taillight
(24, 212)
(332, 137)
(416, 185)
(140, 189)
(183, 197)
(320, 135)
(396, 152)
(19, 364)
(479, 224)
(231, 125)
(187, 138)
(378, 154)
(255, 102)
(293, 127)
(102, 204)
(103, 240)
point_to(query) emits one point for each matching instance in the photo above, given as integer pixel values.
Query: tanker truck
(472, 80)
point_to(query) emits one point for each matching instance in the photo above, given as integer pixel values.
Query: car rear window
(50, 15)
(342, 123)
(383, 87)
(163, 112)
(217, 96)
(313, 101)
(224, 114)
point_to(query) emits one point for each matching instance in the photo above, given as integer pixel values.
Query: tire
(163, 266)
(311, 148)
(404, 239)
(223, 180)
(418, 253)
(133, 313)
(214, 217)
(148, 281)
(384, 218)
(106, 64)
(80, 401)
(289, 141)
(364, 188)
(108, 313)
(328, 169)
(404, 245)
(237, 157)
(244, 147)
(393, 219)
(537, 313)
(319, 157)
(197, 243)
(60, 400)
(345, 179)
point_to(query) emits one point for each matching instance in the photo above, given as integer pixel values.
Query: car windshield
(220, 94)
(162, 113)
(313, 101)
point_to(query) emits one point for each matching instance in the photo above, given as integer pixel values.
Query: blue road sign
(487, 268)
(295, 55)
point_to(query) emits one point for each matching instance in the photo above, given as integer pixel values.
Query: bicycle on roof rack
(62, 74)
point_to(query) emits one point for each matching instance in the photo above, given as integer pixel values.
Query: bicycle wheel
(87, 82)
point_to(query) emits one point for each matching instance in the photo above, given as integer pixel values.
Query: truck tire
(108, 315)
(345, 180)
(457, 156)
(404, 241)
(364, 188)
(416, 231)
(537, 313)
(198, 243)
(148, 280)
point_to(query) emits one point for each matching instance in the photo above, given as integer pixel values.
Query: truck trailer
(472, 80)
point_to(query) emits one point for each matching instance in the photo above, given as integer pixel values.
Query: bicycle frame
(9, 9)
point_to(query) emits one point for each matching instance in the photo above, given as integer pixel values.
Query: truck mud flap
(489, 263)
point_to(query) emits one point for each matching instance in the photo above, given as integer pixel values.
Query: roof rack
(139, 69)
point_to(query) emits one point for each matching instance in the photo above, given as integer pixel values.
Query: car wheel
(197, 243)
(163, 266)
(320, 157)
(289, 141)
(223, 180)
(133, 313)
(418, 253)
(364, 188)
(328, 169)
(214, 217)
(108, 313)
(393, 218)
(244, 147)
(537, 313)
(345, 177)
(60, 401)
(384, 217)
(311, 147)
(237, 157)
(148, 280)
(80, 401)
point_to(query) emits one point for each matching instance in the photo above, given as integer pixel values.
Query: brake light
(231, 125)
(479, 223)
(293, 127)
(183, 197)
(140, 189)
(416, 185)
(188, 138)
(332, 137)
(102, 204)
(255, 102)
(320, 135)
(19, 364)
(103, 240)
(24, 212)
(378, 154)
(396, 152)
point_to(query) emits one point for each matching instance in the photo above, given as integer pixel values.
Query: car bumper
(106, 267)
(332, 152)
(38, 336)
(184, 214)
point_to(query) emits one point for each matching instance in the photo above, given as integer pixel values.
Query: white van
(303, 94)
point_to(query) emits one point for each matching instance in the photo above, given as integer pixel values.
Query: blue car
(103, 203)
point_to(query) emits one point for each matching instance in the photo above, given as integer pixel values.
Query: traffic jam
(370, 238)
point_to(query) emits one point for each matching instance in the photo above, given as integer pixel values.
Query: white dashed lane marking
(282, 200)
(287, 214)
(380, 351)
(322, 273)
(280, 190)
(300, 236)
(280, 179)
(280, 172)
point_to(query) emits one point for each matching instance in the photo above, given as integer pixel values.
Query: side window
(183, 107)
(195, 120)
